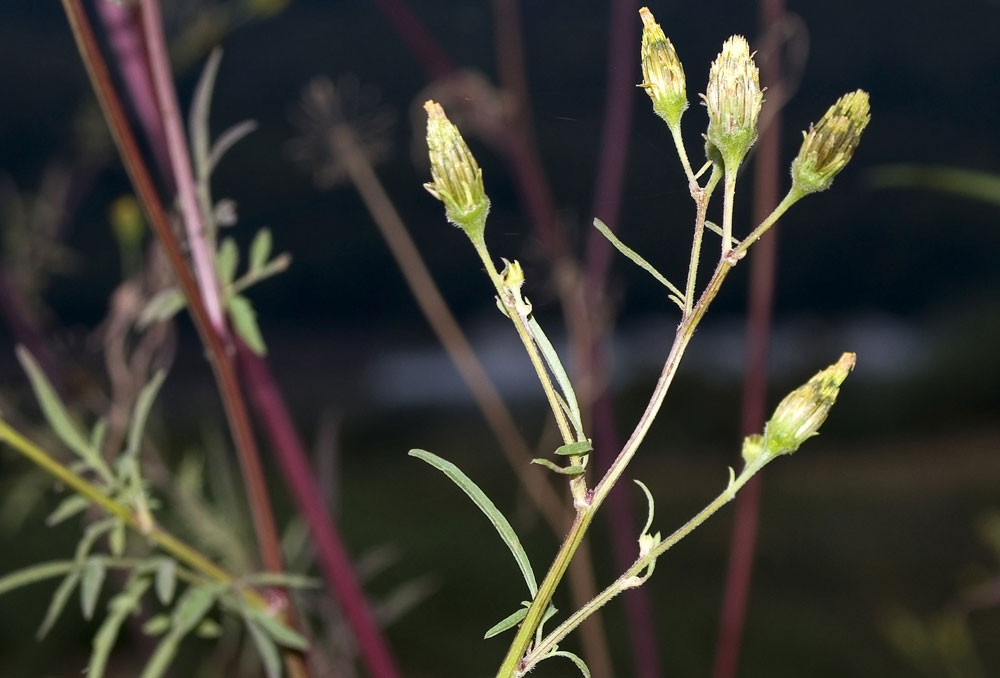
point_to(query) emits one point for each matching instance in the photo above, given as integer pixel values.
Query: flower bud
(829, 144)
(799, 416)
(662, 72)
(733, 98)
(458, 180)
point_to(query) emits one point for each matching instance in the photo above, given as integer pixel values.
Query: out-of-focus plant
(733, 99)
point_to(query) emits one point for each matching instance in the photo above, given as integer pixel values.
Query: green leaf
(55, 412)
(191, 607)
(198, 118)
(284, 580)
(245, 322)
(164, 305)
(166, 580)
(580, 664)
(983, 186)
(260, 249)
(58, 602)
(573, 470)
(98, 432)
(507, 623)
(116, 539)
(36, 573)
(226, 261)
(119, 609)
(636, 259)
(228, 139)
(157, 625)
(266, 648)
(650, 506)
(485, 505)
(277, 630)
(90, 585)
(208, 628)
(140, 413)
(67, 508)
(558, 371)
(575, 449)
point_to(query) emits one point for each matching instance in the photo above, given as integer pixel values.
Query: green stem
(792, 197)
(514, 312)
(702, 199)
(166, 541)
(634, 574)
(727, 209)
(675, 132)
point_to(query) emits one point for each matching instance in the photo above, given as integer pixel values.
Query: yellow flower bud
(733, 98)
(799, 416)
(829, 144)
(662, 72)
(457, 178)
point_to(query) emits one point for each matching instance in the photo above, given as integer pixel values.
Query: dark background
(878, 514)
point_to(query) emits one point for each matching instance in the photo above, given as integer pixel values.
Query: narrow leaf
(245, 323)
(119, 609)
(636, 259)
(53, 408)
(485, 505)
(58, 602)
(283, 580)
(140, 412)
(575, 449)
(90, 585)
(266, 648)
(208, 628)
(279, 632)
(67, 508)
(35, 573)
(580, 664)
(166, 580)
(649, 504)
(260, 249)
(157, 625)
(508, 622)
(198, 118)
(573, 470)
(226, 261)
(116, 539)
(558, 371)
(97, 434)
(164, 305)
(228, 139)
(191, 607)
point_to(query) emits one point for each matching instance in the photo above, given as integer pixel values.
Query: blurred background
(868, 536)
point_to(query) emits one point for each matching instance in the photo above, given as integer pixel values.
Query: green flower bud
(458, 180)
(799, 416)
(733, 98)
(829, 144)
(662, 72)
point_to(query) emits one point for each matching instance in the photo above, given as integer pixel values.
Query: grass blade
(485, 505)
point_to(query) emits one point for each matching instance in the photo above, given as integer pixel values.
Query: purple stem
(418, 40)
(618, 108)
(759, 320)
(335, 563)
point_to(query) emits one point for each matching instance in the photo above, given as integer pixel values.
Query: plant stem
(166, 541)
(634, 574)
(792, 197)
(515, 311)
(729, 193)
(701, 197)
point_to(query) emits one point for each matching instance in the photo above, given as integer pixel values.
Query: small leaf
(90, 585)
(260, 249)
(573, 470)
(485, 505)
(226, 261)
(67, 508)
(245, 322)
(157, 625)
(575, 449)
(208, 628)
(116, 539)
(558, 371)
(278, 630)
(119, 608)
(97, 433)
(58, 602)
(194, 604)
(35, 573)
(198, 117)
(228, 139)
(282, 580)
(580, 664)
(266, 648)
(53, 408)
(164, 305)
(140, 412)
(507, 623)
(166, 580)
(636, 259)
(650, 506)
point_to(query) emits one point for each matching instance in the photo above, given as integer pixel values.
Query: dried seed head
(799, 416)
(829, 144)
(733, 98)
(662, 72)
(457, 178)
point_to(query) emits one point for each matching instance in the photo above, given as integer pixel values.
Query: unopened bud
(457, 178)
(733, 98)
(799, 416)
(662, 72)
(829, 144)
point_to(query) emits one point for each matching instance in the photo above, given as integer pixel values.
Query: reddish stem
(759, 319)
